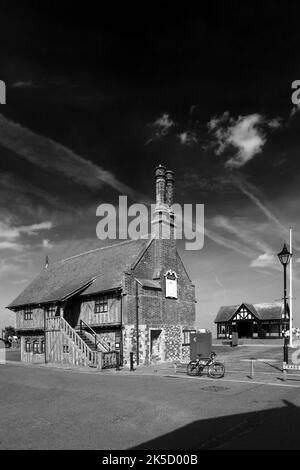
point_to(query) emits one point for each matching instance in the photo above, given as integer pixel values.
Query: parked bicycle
(215, 369)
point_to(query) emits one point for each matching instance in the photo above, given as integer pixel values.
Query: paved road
(59, 409)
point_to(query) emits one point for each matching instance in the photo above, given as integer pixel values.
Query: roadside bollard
(131, 362)
(154, 360)
(284, 371)
(118, 361)
(252, 369)
(99, 360)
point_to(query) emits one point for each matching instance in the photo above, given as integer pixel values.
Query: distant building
(263, 320)
(134, 296)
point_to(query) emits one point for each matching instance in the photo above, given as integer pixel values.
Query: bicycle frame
(203, 363)
(214, 368)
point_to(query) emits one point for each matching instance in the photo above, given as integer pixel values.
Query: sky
(96, 98)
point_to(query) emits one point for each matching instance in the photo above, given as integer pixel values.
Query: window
(27, 346)
(51, 311)
(42, 346)
(101, 304)
(186, 337)
(28, 313)
(36, 347)
(65, 348)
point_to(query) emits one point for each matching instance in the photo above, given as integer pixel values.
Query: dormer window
(101, 304)
(171, 284)
(51, 311)
(27, 313)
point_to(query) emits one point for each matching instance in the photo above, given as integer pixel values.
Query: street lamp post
(284, 258)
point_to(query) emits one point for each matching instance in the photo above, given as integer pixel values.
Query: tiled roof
(263, 311)
(150, 283)
(93, 271)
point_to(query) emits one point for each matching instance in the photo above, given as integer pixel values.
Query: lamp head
(284, 256)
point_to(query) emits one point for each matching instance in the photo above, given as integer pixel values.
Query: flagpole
(291, 292)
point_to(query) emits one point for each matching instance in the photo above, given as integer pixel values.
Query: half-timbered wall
(35, 354)
(112, 316)
(60, 348)
(37, 321)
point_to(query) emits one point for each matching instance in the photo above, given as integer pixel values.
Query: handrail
(91, 329)
(97, 341)
(83, 347)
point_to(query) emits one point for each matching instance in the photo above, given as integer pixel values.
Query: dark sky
(98, 96)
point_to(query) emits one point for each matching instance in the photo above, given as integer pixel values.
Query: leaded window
(28, 313)
(51, 311)
(101, 304)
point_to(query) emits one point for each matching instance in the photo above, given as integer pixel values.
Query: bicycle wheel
(192, 368)
(216, 370)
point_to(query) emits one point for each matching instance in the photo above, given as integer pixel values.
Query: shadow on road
(275, 428)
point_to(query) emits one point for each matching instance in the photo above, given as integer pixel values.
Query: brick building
(99, 300)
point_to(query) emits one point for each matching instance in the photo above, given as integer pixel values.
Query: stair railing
(73, 335)
(96, 339)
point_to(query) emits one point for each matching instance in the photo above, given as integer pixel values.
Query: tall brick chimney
(163, 221)
(160, 221)
(160, 184)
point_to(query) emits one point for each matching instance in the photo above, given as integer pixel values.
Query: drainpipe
(137, 320)
(121, 331)
(45, 338)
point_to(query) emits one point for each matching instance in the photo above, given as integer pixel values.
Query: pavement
(46, 407)
(261, 361)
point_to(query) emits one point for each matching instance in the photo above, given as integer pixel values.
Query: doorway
(244, 329)
(72, 311)
(156, 345)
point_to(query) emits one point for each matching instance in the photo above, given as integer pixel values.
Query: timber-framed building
(135, 296)
(264, 320)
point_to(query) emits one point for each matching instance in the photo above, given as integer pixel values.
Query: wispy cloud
(242, 229)
(7, 267)
(249, 190)
(265, 260)
(46, 244)
(229, 243)
(10, 235)
(187, 138)
(54, 157)
(244, 135)
(295, 110)
(161, 127)
(9, 232)
(206, 183)
(23, 84)
(7, 245)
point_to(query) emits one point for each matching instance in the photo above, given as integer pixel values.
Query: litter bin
(234, 339)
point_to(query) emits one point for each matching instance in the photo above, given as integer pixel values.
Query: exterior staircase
(91, 344)
(92, 340)
(84, 344)
(82, 355)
